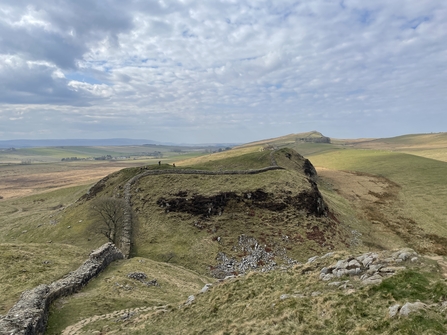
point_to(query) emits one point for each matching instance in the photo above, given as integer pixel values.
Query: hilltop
(222, 209)
(279, 239)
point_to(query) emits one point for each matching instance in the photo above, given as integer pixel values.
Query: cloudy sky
(221, 71)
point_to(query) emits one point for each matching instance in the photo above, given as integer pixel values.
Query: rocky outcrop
(29, 315)
(406, 309)
(322, 139)
(371, 267)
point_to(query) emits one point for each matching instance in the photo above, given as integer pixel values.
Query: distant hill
(307, 137)
(74, 142)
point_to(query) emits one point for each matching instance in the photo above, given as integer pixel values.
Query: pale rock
(374, 268)
(341, 264)
(374, 279)
(312, 259)
(411, 307)
(391, 269)
(327, 277)
(324, 271)
(190, 300)
(393, 310)
(205, 288)
(389, 260)
(334, 283)
(353, 264)
(340, 272)
(355, 271)
(329, 254)
(361, 257)
(367, 261)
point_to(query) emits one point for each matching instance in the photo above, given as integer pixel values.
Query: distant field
(55, 154)
(30, 171)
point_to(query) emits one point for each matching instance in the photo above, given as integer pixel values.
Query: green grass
(422, 181)
(41, 218)
(26, 265)
(169, 247)
(254, 160)
(411, 286)
(252, 305)
(112, 290)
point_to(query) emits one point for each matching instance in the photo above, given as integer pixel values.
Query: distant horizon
(222, 71)
(139, 141)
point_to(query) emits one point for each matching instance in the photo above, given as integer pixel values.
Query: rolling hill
(263, 227)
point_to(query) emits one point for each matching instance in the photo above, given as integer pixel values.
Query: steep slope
(223, 217)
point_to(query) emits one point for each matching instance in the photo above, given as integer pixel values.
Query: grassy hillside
(192, 229)
(270, 215)
(422, 181)
(113, 290)
(425, 145)
(292, 301)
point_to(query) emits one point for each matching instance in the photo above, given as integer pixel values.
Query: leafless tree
(108, 214)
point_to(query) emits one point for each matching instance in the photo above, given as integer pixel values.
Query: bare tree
(109, 216)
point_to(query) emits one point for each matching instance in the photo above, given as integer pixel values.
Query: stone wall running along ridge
(29, 315)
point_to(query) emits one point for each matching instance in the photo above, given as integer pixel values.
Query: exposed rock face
(322, 139)
(95, 189)
(311, 201)
(309, 170)
(29, 315)
(126, 236)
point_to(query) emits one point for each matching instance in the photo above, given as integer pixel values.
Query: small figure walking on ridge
(173, 164)
(159, 162)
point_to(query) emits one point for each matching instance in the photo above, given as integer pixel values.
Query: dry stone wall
(126, 236)
(29, 315)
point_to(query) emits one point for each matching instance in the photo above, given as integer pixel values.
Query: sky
(221, 71)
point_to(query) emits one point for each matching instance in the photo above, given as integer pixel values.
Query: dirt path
(123, 315)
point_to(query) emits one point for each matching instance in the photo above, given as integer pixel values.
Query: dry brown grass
(381, 216)
(23, 180)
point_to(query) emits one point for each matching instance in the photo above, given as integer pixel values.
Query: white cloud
(199, 67)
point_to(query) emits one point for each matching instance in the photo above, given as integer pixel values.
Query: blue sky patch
(79, 76)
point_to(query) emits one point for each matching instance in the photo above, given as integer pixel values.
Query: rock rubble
(142, 277)
(371, 268)
(256, 258)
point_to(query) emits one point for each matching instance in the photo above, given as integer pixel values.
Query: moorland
(270, 234)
